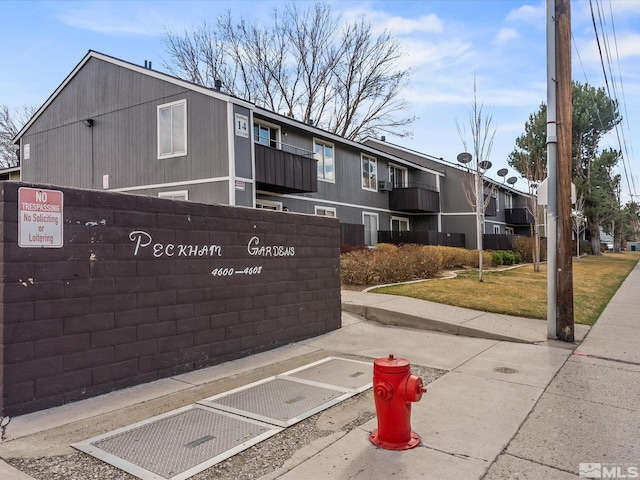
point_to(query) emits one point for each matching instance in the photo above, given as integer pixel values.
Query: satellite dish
(503, 172)
(464, 157)
(512, 180)
(484, 165)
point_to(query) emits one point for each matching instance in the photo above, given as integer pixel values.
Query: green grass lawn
(523, 292)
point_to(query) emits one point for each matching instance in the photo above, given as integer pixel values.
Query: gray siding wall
(243, 147)
(452, 197)
(213, 192)
(123, 140)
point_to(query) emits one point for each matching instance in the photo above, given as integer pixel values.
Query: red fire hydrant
(394, 388)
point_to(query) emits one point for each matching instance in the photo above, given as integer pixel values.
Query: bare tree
(578, 220)
(10, 125)
(482, 134)
(305, 65)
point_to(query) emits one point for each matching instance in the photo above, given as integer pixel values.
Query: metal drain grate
(178, 444)
(280, 401)
(181, 443)
(339, 372)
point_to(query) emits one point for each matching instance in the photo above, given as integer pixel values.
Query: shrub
(346, 248)
(386, 247)
(508, 257)
(525, 245)
(473, 259)
(453, 257)
(517, 258)
(356, 267)
(585, 247)
(496, 258)
(389, 264)
(429, 262)
(505, 257)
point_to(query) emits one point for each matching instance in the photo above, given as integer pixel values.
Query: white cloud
(531, 14)
(397, 25)
(628, 45)
(506, 35)
(117, 18)
(434, 55)
(405, 26)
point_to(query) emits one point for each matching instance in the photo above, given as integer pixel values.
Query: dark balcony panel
(352, 234)
(414, 199)
(492, 207)
(518, 216)
(285, 172)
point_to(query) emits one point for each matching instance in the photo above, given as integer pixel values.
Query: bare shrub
(390, 264)
(453, 257)
(386, 247)
(356, 267)
(473, 259)
(525, 245)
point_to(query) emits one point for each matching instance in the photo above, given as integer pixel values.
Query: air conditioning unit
(385, 186)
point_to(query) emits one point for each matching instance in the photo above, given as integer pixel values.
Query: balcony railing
(285, 170)
(414, 197)
(518, 216)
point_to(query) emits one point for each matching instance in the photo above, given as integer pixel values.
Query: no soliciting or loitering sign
(40, 218)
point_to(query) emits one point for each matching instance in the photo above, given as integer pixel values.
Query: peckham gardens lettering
(143, 240)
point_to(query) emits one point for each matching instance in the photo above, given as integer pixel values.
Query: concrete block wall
(145, 288)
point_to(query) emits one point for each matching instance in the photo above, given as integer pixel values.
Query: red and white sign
(40, 218)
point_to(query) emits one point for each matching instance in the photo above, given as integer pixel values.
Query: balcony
(285, 170)
(518, 216)
(415, 198)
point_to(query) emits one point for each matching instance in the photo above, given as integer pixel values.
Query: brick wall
(144, 288)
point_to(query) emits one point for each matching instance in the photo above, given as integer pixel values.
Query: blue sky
(500, 43)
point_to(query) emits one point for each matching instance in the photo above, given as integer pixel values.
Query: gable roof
(442, 161)
(216, 94)
(136, 68)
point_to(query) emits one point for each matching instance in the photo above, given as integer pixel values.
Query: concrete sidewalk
(524, 408)
(420, 314)
(590, 413)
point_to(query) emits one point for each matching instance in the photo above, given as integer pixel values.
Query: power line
(611, 95)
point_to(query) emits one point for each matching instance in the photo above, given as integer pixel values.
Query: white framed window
(496, 229)
(266, 134)
(172, 129)
(176, 195)
(370, 221)
(369, 173)
(399, 224)
(269, 205)
(508, 200)
(325, 211)
(324, 154)
(509, 230)
(398, 176)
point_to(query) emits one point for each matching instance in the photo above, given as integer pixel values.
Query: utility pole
(564, 290)
(552, 181)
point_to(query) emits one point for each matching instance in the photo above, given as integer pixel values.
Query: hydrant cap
(391, 365)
